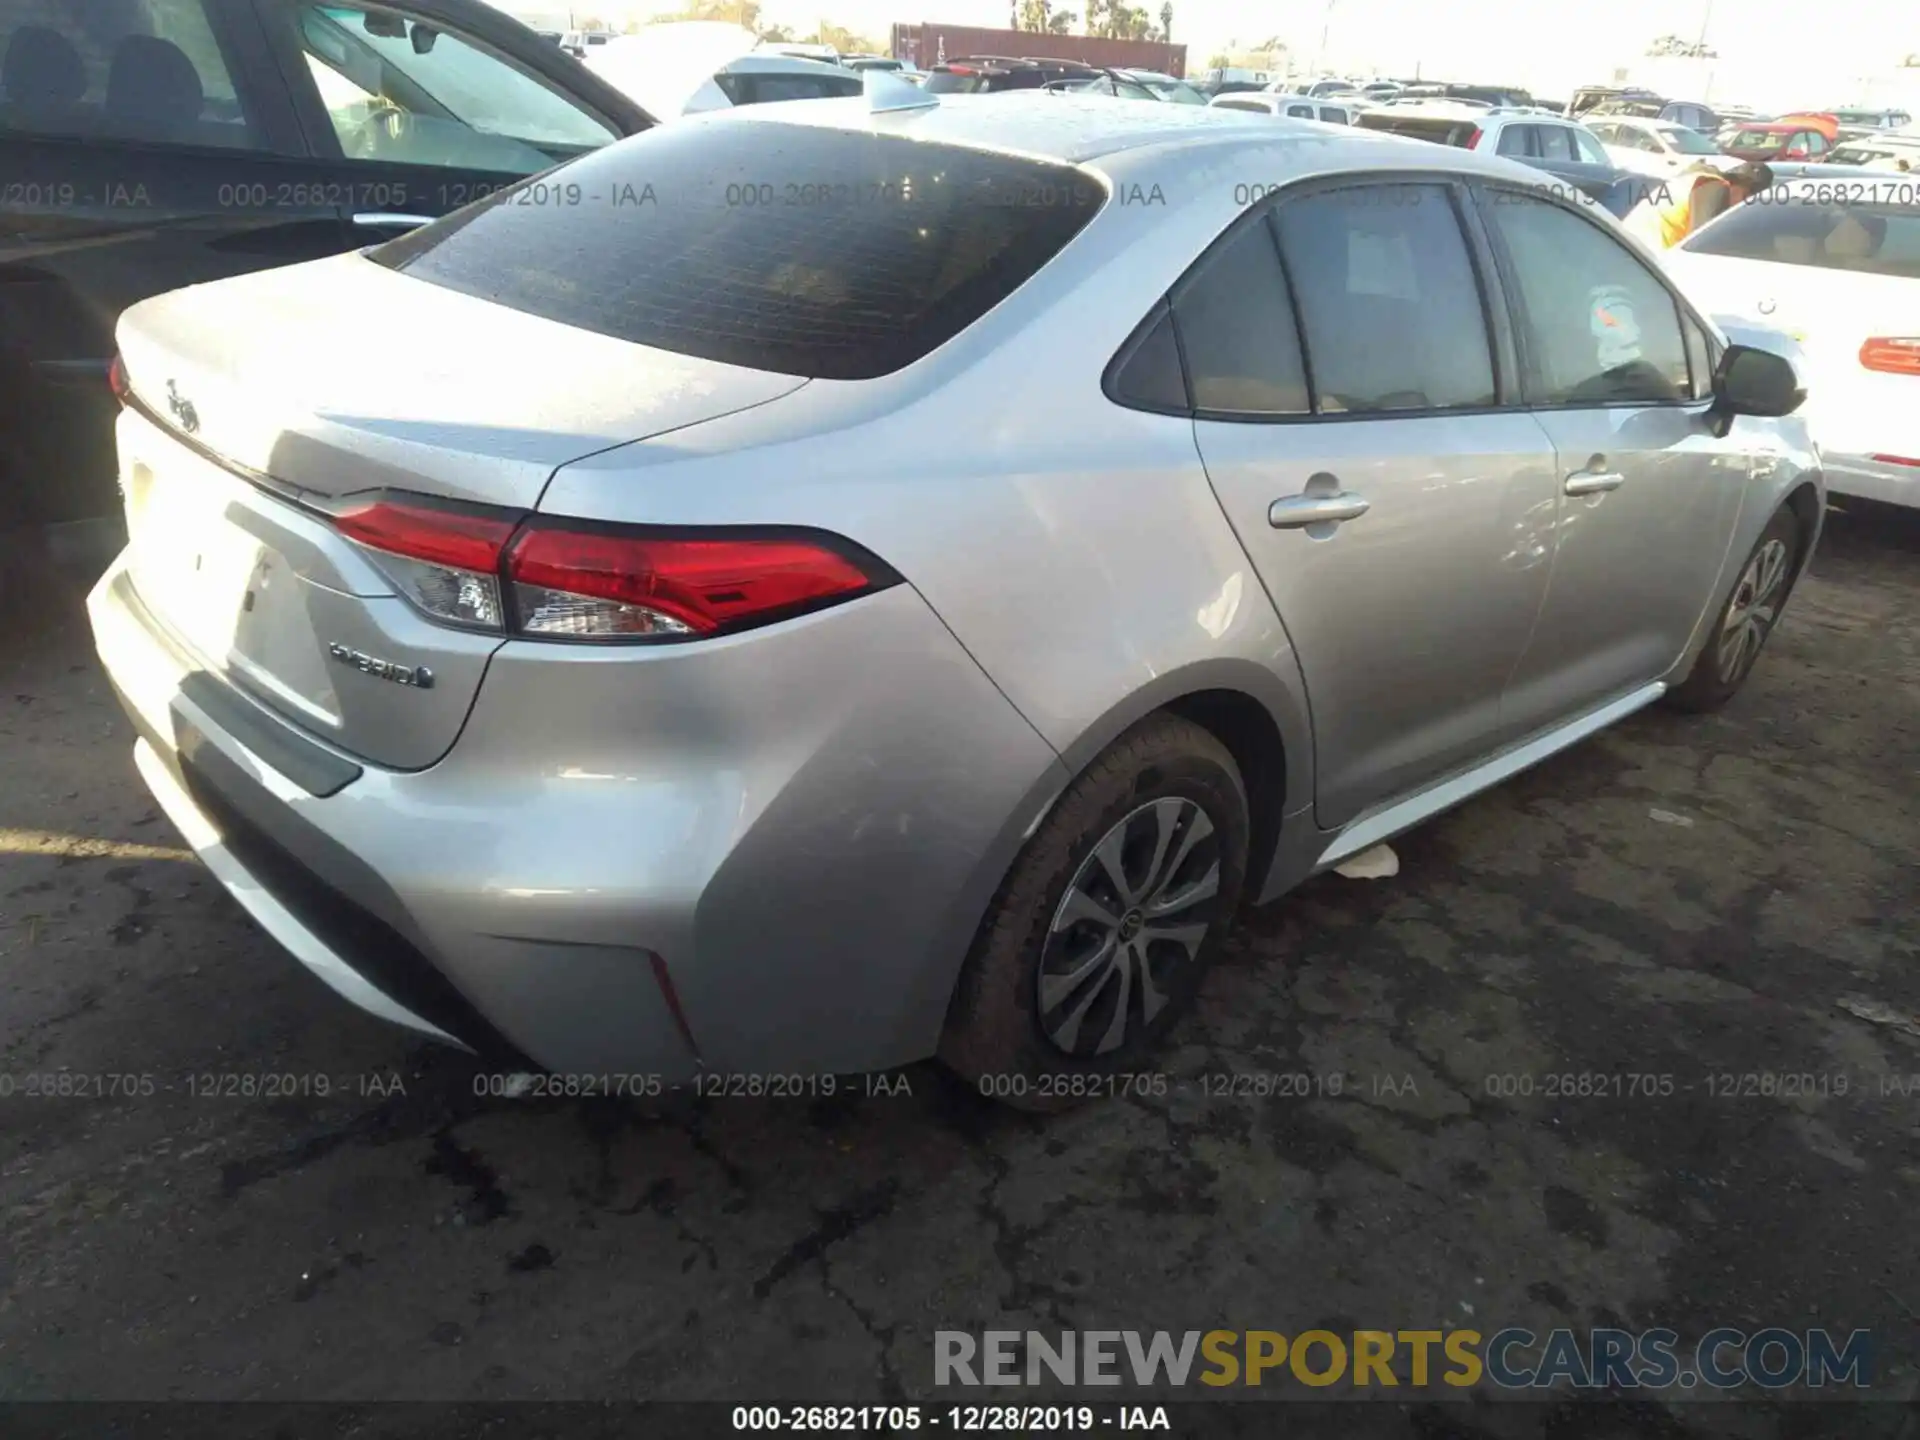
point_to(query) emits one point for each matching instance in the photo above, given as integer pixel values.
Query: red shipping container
(928, 43)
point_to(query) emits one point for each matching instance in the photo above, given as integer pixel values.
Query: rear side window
(679, 239)
(1237, 328)
(1872, 239)
(1389, 301)
(1598, 328)
(1441, 129)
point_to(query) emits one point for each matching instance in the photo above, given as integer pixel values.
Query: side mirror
(1752, 381)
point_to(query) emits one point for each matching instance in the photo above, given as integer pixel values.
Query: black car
(159, 143)
(988, 74)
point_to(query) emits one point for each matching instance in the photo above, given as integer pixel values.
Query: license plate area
(226, 592)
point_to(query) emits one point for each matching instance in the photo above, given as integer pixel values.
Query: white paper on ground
(1375, 864)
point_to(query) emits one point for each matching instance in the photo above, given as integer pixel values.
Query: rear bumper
(1865, 478)
(798, 827)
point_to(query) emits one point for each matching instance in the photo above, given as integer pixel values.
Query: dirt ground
(1727, 897)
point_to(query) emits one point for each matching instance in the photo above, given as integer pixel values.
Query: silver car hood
(343, 375)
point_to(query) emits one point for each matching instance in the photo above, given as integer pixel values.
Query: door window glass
(1302, 112)
(1389, 303)
(1598, 327)
(1589, 148)
(1555, 141)
(145, 70)
(1237, 329)
(1518, 140)
(401, 91)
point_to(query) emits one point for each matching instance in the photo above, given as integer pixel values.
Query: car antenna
(886, 93)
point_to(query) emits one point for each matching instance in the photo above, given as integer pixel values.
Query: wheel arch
(1254, 711)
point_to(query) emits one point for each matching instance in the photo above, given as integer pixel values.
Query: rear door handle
(1296, 512)
(390, 220)
(1594, 482)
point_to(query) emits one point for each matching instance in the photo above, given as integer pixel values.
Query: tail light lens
(1892, 354)
(603, 584)
(446, 560)
(574, 580)
(1473, 140)
(1897, 460)
(117, 379)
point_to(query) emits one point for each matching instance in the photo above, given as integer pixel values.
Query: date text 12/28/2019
(959, 1419)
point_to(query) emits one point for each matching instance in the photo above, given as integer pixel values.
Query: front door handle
(1296, 512)
(1594, 482)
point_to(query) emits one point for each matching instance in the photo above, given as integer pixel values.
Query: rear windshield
(1441, 129)
(801, 250)
(1875, 239)
(953, 82)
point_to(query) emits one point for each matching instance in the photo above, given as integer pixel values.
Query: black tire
(1154, 778)
(1718, 671)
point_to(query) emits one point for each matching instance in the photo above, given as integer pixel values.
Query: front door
(1648, 497)
(1395, 513)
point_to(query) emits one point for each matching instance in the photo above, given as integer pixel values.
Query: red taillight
(580, 581)
(463, 539)
(1892, 354)
(606, 583)
(1896, 460)
(117, 379)
(446, 559)
(1473, 140)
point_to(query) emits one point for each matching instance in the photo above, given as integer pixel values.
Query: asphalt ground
(1729, 902)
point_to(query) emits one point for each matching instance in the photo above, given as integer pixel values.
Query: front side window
(1237, 328)
(1589, 148)
(677, 238)
(396, 89)
(149, 71)
(1390, 306)
(1870, 239)
(1597, 327)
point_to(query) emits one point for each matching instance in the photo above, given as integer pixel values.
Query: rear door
(139, 151)
(414, 110)
(1648, 495)
(1396, 513)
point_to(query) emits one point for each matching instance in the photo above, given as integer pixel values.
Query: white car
(1896, 152)
(687, 67)
(1836, 265)
(1655, 147)
(1298, 107)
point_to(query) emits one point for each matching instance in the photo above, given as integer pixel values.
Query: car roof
(762, 62)
(1073, 129)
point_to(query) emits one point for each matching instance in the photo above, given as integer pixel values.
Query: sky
(1770, 54)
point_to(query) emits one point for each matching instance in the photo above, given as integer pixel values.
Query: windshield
(1760, 140)
(446, 96)
(1873, 239)
(954, 82)
(1687, 142)
(686, 238)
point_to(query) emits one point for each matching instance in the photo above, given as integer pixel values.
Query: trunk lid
(275, 394)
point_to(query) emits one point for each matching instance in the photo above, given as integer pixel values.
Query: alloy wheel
(1135, 912)
(1752, 611)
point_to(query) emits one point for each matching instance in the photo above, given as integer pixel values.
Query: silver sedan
(824, 585)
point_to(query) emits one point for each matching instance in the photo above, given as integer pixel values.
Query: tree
(778, 34)
(1219, 60)
(842, 39)
(1672, 46)
(1166, 20)
(1061, 22)
(744, 13)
